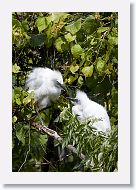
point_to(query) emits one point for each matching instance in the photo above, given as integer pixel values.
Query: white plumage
(46, 85)
(86, 109)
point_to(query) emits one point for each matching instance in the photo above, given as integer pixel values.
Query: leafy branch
(43, 129)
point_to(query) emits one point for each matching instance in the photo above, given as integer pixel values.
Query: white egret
(85, 109)
(46, 85)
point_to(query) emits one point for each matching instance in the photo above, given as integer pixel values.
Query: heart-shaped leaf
(73, 68)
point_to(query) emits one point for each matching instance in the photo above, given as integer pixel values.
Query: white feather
(86, 109)
(43, 82)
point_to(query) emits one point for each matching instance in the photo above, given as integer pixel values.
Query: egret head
(74, 101)
(81, 98)
(81, 95)
(58, 80)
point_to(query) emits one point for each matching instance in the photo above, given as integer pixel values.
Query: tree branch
(43, 129)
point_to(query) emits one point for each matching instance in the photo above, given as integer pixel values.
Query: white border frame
(6, 174)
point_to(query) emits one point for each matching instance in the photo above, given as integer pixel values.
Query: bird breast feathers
(93, 108)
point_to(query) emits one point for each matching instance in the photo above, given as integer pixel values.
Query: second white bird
(85, 109)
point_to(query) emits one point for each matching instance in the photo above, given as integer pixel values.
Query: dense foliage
(84, 48)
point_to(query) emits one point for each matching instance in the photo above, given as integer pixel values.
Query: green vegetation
(84, 48)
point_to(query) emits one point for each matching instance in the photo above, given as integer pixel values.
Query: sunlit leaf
(57, 16)
(71, 79)
(76, 50)
(88, 71)
(41, 23)
(58, 44)
(74, 27)
(15, 68)
(14, 119)
(69, 37)
(74, 68)
(26, 100)
(18, 101)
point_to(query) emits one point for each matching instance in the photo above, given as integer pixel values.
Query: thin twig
(103, 36)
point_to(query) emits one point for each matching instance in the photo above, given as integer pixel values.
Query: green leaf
(56, 16)
(29, 97)
(113, 40)
(64, 115)
(100, 155)
(76, 50)
(102, 29)
(48, 20)
(30, 61)
(37, 40)
(26, 100)
(41, 23)
(43, 139)
(15, 68)
(14, 119)
(20, 133)
(18, 101)
(90, 24)
(80, 81)
(69, 37)
(58, 44)
(100, 65)
(114, 60)
(73, 68)
(74, 27)
(71, 79)
(88, 71)
(16, 23)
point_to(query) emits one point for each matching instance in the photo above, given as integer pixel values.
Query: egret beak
(62, 86)
(74, 100)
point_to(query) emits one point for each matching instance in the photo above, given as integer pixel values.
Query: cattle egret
(46, 85)
(85, 109)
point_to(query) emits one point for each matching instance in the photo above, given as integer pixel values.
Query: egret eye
(74, 100)
(58, 83)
